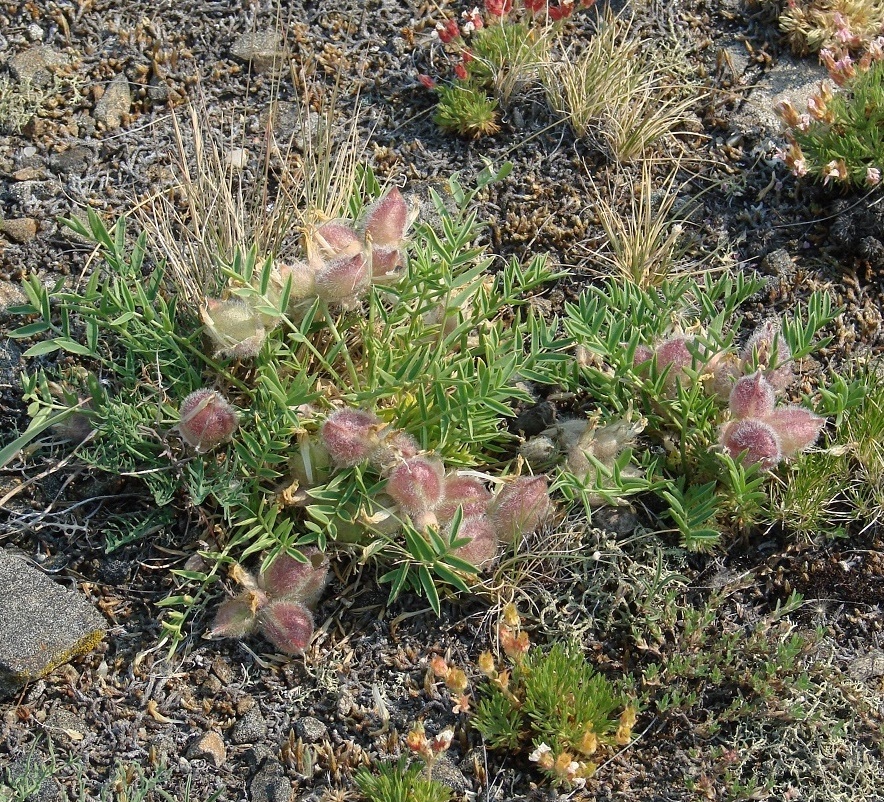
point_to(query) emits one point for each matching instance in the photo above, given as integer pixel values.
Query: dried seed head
(288, 625)
(752, 397)
(416, 484)
(293, 580)
(342, 280)
(351, 436)
(482, 548)
(754, 438)
(385, 221)
(520, 507)
(796, 427)
(206, 420)
(234, 326)
(466, 492)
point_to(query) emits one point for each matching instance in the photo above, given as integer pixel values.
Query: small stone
(221, 669)
(255, 756)
(10, 295)
(310, 729)
(212, 686)
(35, 64)
(33, 643)
(73, 160)
(619, 520)
(209, 747)
(157, 91)
(20, 229)
(445, 772)
(65, 727)
(28, 174)
(31, 771)
(778, 263)
(262, 49)
(114, 103)
(249, 729)
(270, 783)
(237, 158)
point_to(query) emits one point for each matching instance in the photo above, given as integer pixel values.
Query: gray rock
(35, 65)
(292, 126)
(250, 728)
(73, 160)
(311, 729)
(10, 295)
(33, 643)
(30, 771)
(790, 79)
(270, 783)
(264, 50)
(210, 747)
(65, 727)
(778, 263)
(445, 772)
(114, 103)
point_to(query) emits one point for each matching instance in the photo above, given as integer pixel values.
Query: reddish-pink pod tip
(416, 484)
(797, 428)
(288, 625)
(343, 279)
(385, 220)
(350, 436)
(465, 492)
(206, 420)
(520, 507)
(482, 548)
(752, 397)
(755, 439)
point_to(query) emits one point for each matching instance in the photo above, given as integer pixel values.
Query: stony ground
(233, 720)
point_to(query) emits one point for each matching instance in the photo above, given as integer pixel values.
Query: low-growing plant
(616, 91)
(550, 704)
(812, 25)
(699, 448)
(839, 138)
(496, 55)
(400, 782)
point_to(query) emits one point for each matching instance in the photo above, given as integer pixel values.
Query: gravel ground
(250, 725)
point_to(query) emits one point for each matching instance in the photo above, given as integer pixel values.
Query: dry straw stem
(620, 90)
(644, 242)
(220, 204)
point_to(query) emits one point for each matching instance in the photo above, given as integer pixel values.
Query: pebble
(73, 160)
(208, 747)
(35, 64)
(20, 229)
(249, 729)
(30, 771)
(270, 783)
(311, 729)
(114, 103)
(64, 727)
(262, 49)
(221, 669)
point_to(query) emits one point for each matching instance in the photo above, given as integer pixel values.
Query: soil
(297, 728)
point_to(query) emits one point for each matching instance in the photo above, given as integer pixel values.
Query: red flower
(559, 12)
(447, 31)
(533, 6)
(428, 82)
(460, 71)
(498, 8)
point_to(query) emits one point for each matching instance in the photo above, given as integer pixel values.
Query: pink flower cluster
(276, 603)
(343, 259)
(421, 488)
(759, 430)
(765, 433)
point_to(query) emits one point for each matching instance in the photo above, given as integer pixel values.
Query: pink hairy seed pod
(754, 438)
(206, 420)
(235, 328)
(643, 354)
(674, 352)
(385, 221)
(288, 625)
(752, 397)
(301, 276)
(466, 492)
(394, 447)
(351, 436)
(482, 548)
(722, 372)
(772, 354)
(520, 507)
(384, 263)
(416, 484)
(292, 580)
(343, 279)
(333, 240)
(235, 618)
(796, 427)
